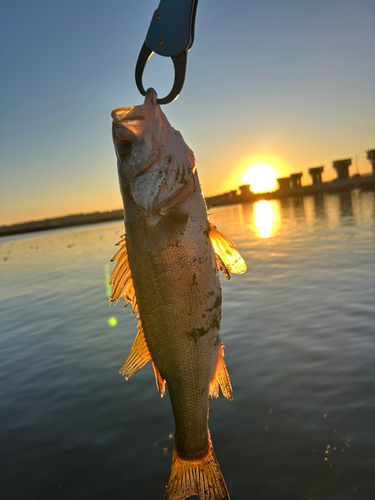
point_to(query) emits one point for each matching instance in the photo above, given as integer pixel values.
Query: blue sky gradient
(288, 80)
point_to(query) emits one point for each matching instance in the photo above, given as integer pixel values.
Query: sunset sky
(285, 83)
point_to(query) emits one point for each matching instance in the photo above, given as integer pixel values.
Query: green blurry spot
(112, 321)
(107, 277)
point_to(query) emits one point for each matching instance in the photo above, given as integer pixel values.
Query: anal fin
(196, 477)
(221, 378)
(160, 382)
(138, 356)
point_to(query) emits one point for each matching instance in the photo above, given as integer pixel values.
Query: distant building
(342, 168)
(229, 194)
(295, 180)
(245, 189)
(316, 174)
(371, 157)
(284, 183)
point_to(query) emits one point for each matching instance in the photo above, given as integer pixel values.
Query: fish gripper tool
(171, 34)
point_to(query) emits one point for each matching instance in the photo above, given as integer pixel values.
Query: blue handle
(171, 31)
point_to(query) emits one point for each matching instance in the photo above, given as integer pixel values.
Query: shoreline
(61, 222)
(363, 183)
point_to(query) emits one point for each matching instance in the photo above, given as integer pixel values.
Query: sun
(261, 177)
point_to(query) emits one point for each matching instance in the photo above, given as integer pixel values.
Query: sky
(290, 83)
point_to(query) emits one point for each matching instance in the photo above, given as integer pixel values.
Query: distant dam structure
(292, 185)
(316, 174)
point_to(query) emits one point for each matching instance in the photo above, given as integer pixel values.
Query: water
(300, 347)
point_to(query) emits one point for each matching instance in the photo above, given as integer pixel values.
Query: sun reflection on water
(267, 217)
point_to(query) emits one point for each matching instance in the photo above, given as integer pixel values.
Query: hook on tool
(179, 63)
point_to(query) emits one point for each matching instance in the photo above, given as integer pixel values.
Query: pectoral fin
(167, 232)
(221, 378)
(227, 251)
(122, 283)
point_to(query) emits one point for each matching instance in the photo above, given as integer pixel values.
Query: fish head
(154, 163)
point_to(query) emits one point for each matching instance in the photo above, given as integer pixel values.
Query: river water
(299, 331)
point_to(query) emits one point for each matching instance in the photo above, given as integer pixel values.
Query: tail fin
(200, 477)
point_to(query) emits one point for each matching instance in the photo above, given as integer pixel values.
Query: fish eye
(124, 147)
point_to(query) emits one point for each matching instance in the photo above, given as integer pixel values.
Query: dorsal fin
(121, 278)
(122, 286)
(226, 250)
(221, 378)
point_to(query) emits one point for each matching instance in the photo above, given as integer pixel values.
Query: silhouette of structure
(316, 174)
(245, 189)
(284, 182)
(295, 180)
(371, 157)
(342, 168)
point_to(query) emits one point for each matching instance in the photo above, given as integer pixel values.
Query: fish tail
(196, 477)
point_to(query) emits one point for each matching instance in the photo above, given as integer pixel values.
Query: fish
(167, 267)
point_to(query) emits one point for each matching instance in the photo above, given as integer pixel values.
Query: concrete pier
(316, 174)
(284, 182)
(371, 156)
(342, 168)
(295, 180)
(244, 189)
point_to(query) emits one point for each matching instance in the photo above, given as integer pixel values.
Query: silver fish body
(173, 265)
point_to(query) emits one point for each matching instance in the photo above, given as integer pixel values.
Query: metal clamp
(171, 34)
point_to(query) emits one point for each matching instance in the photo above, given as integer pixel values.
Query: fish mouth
(148, 168)
(143, 171)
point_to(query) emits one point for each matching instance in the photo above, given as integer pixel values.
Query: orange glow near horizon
(261, 177)
(260, 170)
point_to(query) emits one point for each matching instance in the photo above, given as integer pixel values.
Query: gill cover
(153, 159)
